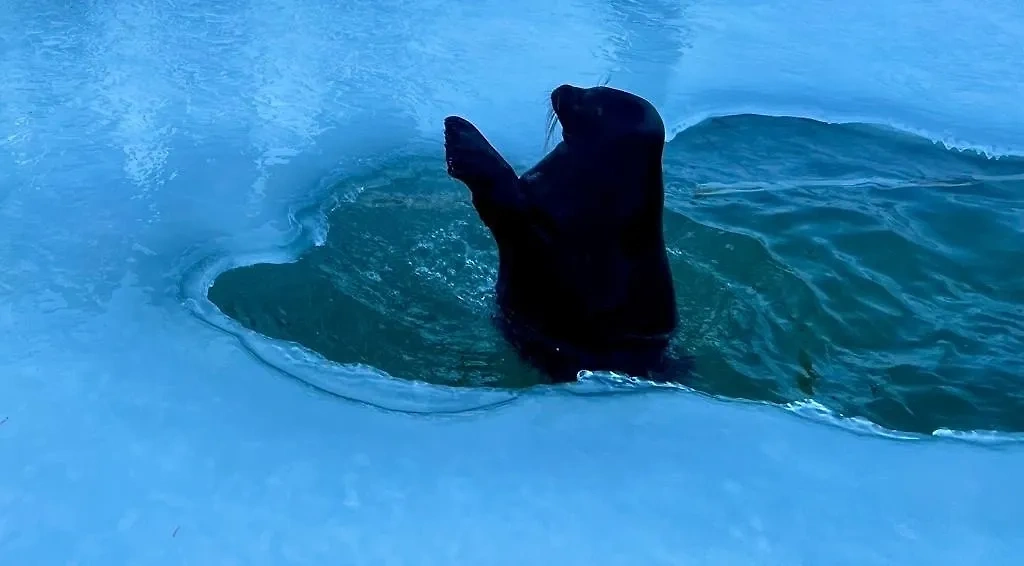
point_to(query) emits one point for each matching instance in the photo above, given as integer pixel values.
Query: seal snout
(564, 98)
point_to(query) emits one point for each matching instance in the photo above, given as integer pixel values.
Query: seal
(584, 281)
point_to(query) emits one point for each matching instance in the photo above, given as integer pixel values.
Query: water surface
(873, 271)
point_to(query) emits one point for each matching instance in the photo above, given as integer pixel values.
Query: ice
(143, 141)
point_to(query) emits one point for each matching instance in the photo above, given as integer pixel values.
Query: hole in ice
(874, 272)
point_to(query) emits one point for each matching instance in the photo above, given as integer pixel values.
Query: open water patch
(869, 271)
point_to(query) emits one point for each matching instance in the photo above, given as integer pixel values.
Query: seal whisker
(552, 120)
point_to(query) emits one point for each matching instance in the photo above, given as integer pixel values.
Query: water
(876, 273)
(147, 146)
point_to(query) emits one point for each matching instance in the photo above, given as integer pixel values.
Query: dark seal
(583, 280)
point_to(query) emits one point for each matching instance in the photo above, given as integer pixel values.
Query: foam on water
(142, 141)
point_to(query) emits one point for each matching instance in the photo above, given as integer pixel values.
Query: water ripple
(848, 265)
(908, 277)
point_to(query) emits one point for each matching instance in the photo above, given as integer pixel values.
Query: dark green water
(875, 272)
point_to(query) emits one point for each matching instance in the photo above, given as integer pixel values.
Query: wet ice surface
(201, 463)
(138, 140)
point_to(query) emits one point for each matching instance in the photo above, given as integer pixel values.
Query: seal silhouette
(584, 281)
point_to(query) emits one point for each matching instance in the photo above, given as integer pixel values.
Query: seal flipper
(474, 161)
